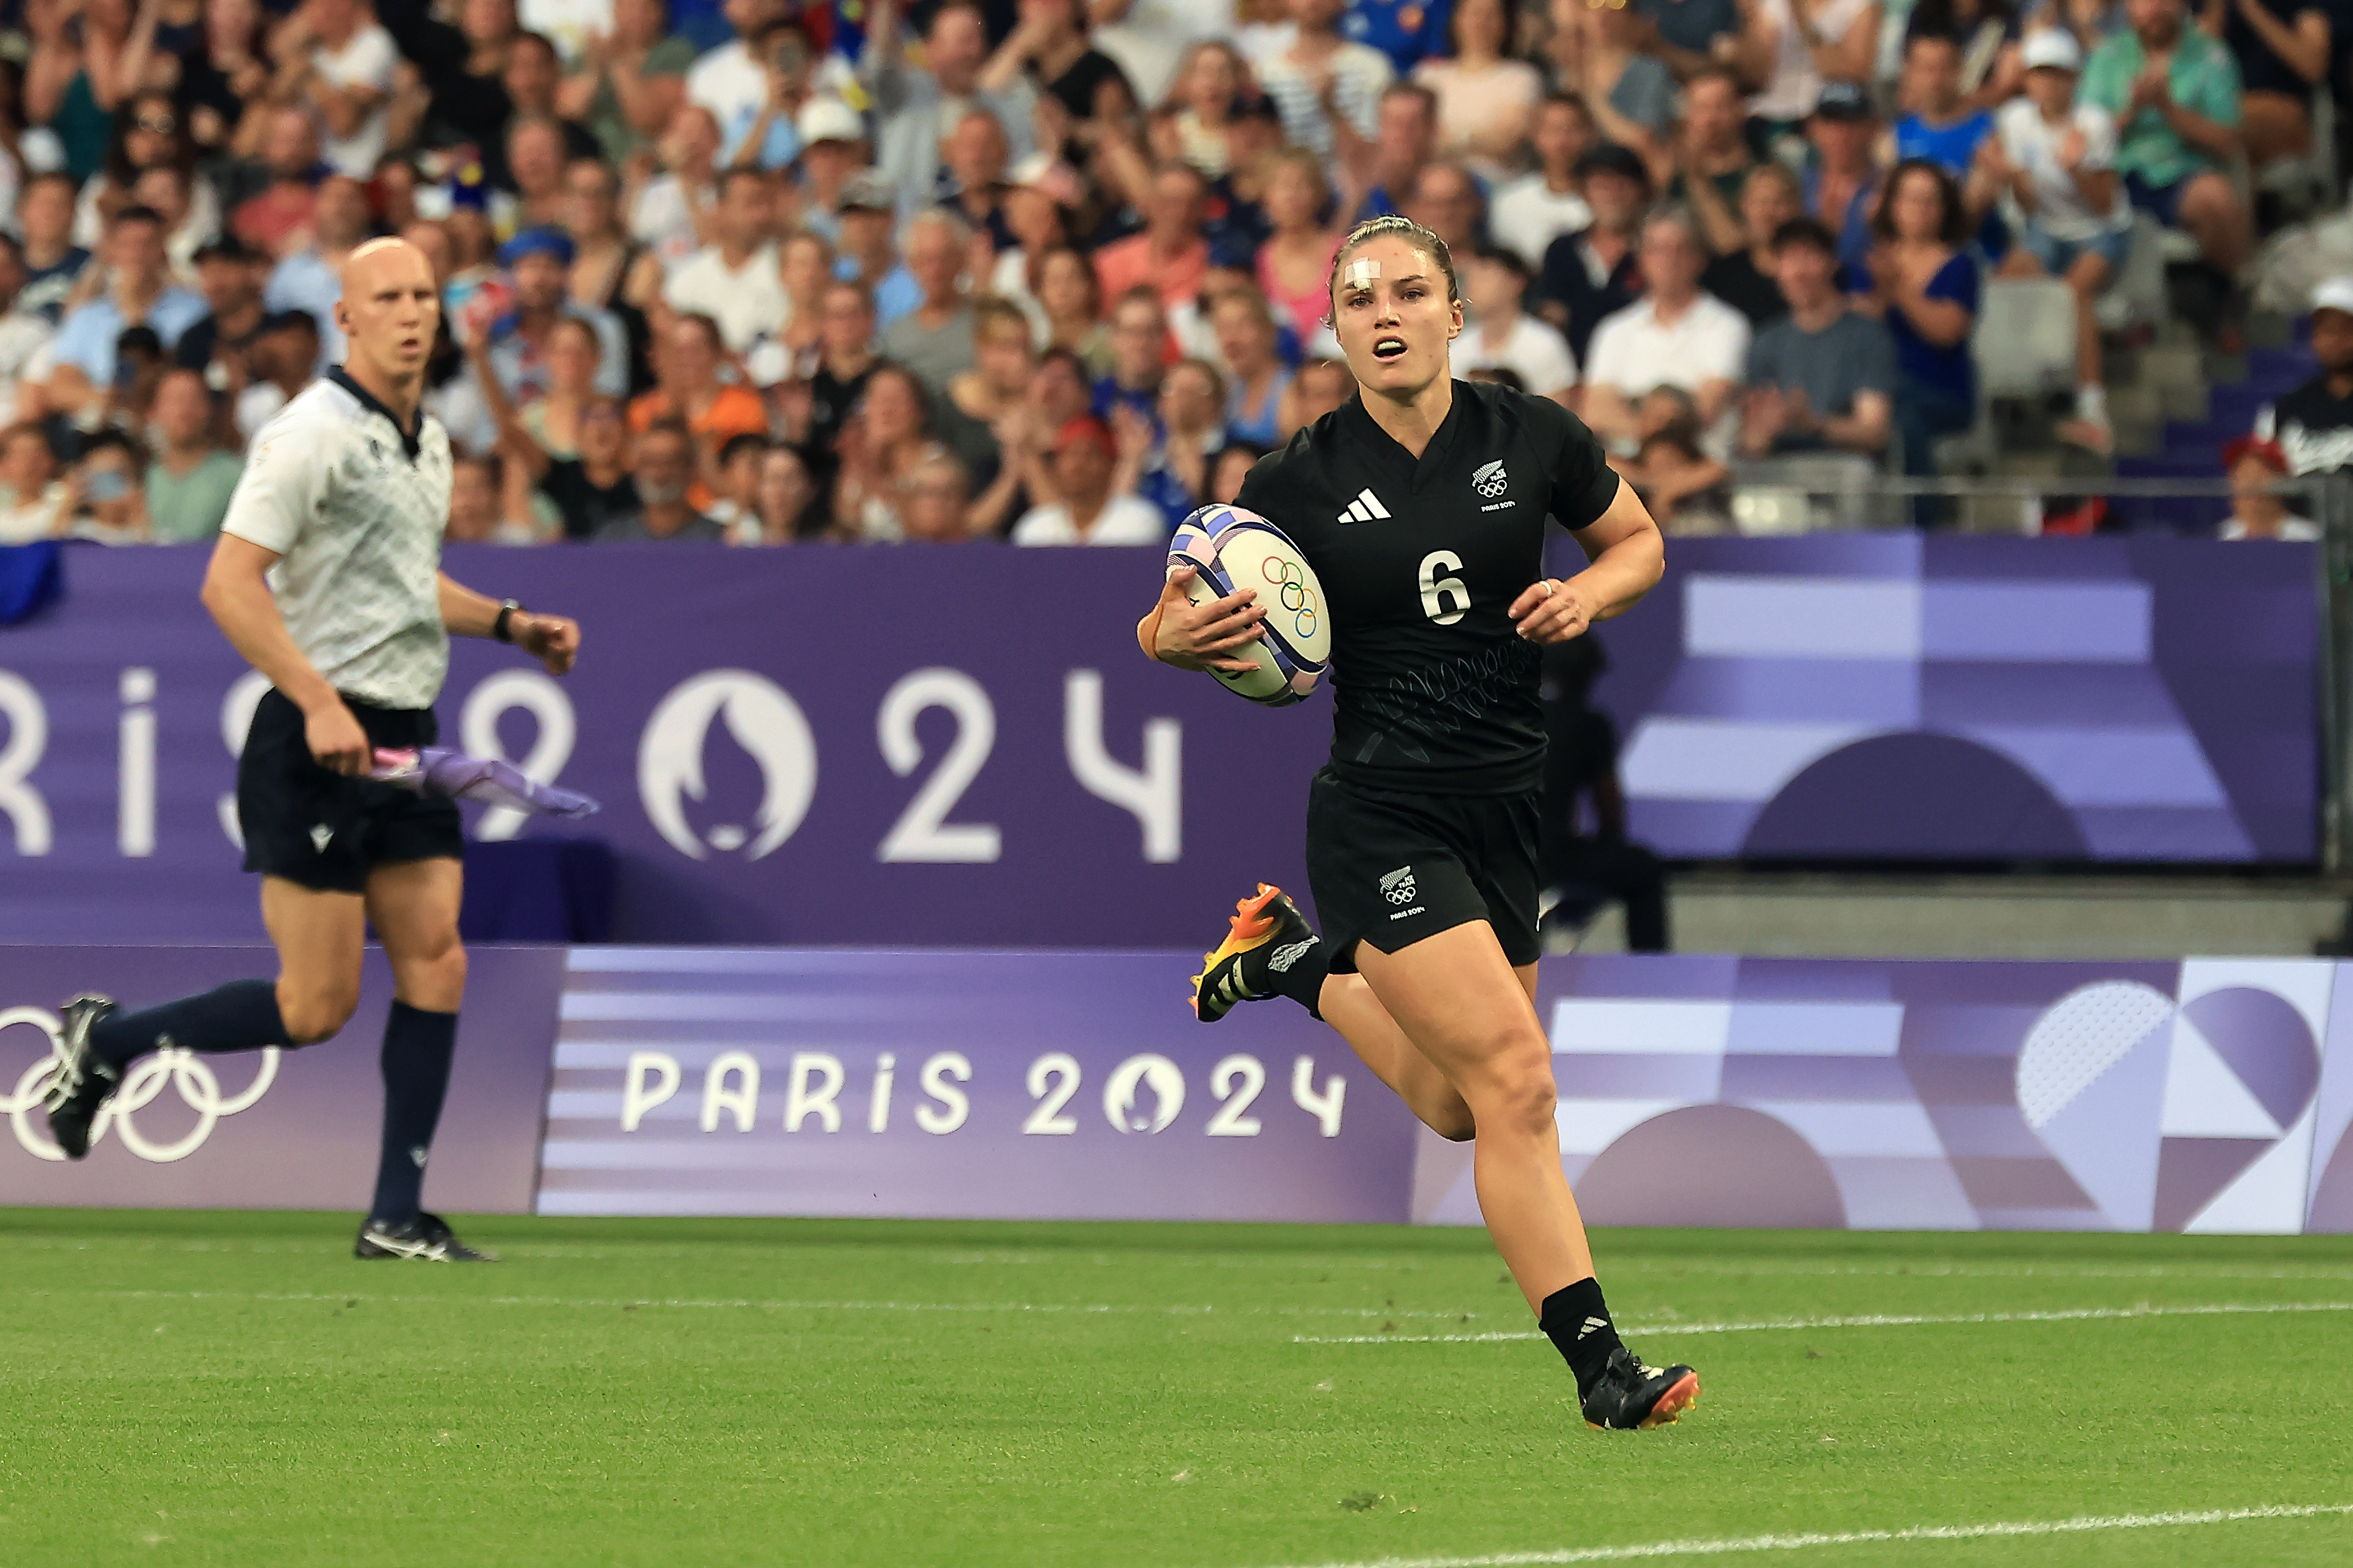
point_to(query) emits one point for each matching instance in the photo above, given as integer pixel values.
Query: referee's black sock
(241, 1015)
(417, 1047)
(1577, 1323)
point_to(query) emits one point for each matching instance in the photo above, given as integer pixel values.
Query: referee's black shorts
(1391, 869)
(321, 829)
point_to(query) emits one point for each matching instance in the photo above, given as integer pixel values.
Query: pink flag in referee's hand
(440, 770)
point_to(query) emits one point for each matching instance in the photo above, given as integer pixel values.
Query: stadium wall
(960, 746)
(2199, 1095)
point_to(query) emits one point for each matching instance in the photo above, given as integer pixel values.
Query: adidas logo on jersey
(1365, 508)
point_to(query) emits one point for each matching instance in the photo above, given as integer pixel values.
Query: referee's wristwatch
(502, 629)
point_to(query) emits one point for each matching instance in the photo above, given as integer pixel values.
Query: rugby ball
(1229, 550)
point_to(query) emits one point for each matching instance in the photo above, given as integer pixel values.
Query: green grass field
(236, 1389)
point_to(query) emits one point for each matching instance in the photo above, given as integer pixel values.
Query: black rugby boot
(82, 1081)
(1266, 936)
(427, 1237)
(1629, 1395)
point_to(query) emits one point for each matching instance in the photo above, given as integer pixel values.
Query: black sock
(1301, 978)
(417, 1047)
(241, 1015)
(1577, 1323)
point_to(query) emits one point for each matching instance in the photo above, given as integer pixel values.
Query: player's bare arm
(237, 593)
(1624, 554)
(553, 640)
(1200, 637)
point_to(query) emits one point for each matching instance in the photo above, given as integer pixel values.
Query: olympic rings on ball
(1294, 592)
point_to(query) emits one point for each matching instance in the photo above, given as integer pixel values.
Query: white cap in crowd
(2053, 48)
(2334, 294)
(828, 120)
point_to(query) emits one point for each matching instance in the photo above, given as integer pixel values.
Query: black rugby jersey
(1434, 690)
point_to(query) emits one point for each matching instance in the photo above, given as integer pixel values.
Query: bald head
(390, 310)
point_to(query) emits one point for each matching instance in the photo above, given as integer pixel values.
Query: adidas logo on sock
(1592, 1324)
(1365, 508)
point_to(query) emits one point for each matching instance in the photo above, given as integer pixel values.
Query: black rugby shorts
(321, 829)
(1391, 869)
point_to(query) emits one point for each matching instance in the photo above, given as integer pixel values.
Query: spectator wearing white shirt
(1327, 90)
(737, 280)
(2052, 161)
(1673, 336)
(22, 333)
(735, 81)
(33, 500)
(1531, 212)
(343, 74)
(1502, 336)
(1083, 458)
(917, 106)
(669, 213)
(2255, 465)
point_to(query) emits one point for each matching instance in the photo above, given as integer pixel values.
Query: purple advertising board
(953, 1084)
(2200, 1095)
(273, 1128)
(949, 746)
(1854, 695)
(961, 745)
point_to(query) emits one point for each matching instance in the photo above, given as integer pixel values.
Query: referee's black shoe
(1628, 1394)
(1265, 927)
(82, 1081)
(428, 1236)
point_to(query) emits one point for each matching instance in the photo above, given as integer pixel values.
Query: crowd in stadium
(1057, 270)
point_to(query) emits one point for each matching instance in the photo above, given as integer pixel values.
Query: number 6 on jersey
(1444, 599)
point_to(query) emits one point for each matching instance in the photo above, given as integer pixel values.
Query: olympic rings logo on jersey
(183, 1070)
(1292, 589)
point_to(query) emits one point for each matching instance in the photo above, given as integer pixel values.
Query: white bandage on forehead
(1360, 273)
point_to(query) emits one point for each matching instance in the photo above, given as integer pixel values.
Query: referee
(327, 579)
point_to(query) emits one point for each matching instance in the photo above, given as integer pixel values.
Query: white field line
(1723, 1545)
(1734, 1265)
(1074, 1309)
(1873, 1320)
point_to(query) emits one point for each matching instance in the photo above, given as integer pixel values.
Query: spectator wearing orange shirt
(687, 388)
(1171, 254)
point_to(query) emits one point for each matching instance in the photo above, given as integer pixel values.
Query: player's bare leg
(1460, 1001)
(414, 907)
(1348, 1005)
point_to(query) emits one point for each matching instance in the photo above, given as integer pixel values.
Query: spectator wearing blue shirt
(140, 291)
(1840, 187)
(313, 279)
(1405, 139)
(1924, 285)
(1408, 31)
(539, 262)
(1139, 348)
(1176, 476)
(1938, 124)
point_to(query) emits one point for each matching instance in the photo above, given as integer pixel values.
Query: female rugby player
(1421, 505)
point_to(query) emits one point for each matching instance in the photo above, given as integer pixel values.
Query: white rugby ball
(1229, 549)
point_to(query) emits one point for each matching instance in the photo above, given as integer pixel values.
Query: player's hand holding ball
(553, 640)
(1552, 611)
(1203, 635)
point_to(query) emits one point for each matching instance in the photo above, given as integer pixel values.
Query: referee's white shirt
(354, 509)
